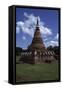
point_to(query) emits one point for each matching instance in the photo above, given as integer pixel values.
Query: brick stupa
(37, 53)
(37, 42)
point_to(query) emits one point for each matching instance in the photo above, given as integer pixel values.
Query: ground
(37, 72)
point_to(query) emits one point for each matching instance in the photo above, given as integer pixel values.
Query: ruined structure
(37, 53)
(37, 42)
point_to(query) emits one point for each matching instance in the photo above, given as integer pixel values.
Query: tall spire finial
(37, 21)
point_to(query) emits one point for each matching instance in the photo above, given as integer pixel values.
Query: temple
(37, 52)
(37, 42)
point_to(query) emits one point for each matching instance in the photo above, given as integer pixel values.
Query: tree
(55, 49)
(18, 50)
(50, 48)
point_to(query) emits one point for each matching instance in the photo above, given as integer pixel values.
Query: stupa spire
(37, 42)
(37, 22)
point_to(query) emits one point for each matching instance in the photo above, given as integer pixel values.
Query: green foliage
(18, 50)
(55, 49)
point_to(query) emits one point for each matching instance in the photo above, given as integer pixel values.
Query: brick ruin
(37, 52)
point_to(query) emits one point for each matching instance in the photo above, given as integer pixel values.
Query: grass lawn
(36, 72)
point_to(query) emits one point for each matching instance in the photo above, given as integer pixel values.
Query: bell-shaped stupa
(37, 42)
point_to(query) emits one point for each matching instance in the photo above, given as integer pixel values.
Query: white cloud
(56, 37)
(24, 38)
(52, 43)
(45, 39)
(44, 30)
(20, 23)
(25, 14)
(28, 26)
(17, 29)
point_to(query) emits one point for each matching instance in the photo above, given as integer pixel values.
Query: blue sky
(26, 22)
